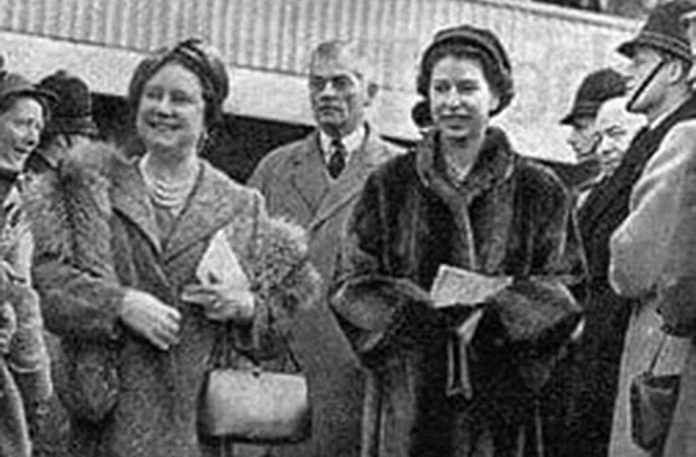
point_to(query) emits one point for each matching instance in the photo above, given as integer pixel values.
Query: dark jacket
(96, 235)
(409, 221)
(595, 371)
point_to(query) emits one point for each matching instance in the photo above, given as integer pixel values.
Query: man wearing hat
(315, 182)
(596, 88)
(71, 120)
(659, 87)
(70, 124)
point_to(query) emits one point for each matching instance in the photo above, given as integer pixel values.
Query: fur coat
(96, 236)
(25, 382)
(511, 217)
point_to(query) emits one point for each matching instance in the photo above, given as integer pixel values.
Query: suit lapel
(209, 209)
(130, 198)
(351, 181)
(307, 177)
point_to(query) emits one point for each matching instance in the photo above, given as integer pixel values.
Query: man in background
(315, 183)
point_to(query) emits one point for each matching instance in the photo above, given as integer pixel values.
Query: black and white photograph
(347, 228)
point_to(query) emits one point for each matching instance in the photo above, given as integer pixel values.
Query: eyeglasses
(339, 83)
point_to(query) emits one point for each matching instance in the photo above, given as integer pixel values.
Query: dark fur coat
(96, 235)
(510, 217)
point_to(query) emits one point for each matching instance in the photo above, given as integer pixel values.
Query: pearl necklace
(170, 195)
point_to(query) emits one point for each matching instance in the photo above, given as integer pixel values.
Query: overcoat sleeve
(73, 271)
(639, 246)
(377, 310)
(677, 286)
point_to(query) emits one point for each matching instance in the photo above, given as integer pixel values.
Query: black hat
(597, 87)
(72, 113)
(202, 60)
(664, 31)
(14, 84)
(479, 41)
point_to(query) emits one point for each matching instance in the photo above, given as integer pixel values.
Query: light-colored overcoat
(640, 268)
(296, 184)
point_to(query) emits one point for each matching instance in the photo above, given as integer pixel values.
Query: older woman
(25, 383)
(121, 243)
(461, 198)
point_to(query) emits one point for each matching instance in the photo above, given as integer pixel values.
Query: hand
(8, 326)
(150, 318)
(220, 302)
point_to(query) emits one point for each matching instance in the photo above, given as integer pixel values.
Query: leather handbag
(253, 405)
(256, 406)
(653, 399)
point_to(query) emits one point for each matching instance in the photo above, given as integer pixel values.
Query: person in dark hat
(465, 379)
(658, 87)
(70, 125)
(25, 383)
(596, 88)
(71, 121)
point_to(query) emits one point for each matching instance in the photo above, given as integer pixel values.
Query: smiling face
(20, 130)
(461, 98)
(338, 94)
(171, 109)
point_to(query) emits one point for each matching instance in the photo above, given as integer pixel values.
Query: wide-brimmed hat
(663, 30)
(72, 112)
(479, 41)
(597, 87)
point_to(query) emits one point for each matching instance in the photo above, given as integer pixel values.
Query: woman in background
(25, 384)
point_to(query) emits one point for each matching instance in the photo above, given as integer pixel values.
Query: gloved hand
(221, 302)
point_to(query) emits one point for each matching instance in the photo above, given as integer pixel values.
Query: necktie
(337, 161)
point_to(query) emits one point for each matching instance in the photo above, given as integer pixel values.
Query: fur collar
(493, 166)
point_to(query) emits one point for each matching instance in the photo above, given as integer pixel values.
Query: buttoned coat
(96, 237)
(296, 184)
(640, 249)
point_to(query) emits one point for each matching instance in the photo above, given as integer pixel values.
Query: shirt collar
(352, 142)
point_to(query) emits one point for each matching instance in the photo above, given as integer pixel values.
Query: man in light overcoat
(315, 182)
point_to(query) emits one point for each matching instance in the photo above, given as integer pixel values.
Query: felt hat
(72, 113)
(597, 87)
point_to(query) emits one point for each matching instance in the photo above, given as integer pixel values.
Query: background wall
(266, 45)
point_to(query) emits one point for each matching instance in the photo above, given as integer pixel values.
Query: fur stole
(69, 208)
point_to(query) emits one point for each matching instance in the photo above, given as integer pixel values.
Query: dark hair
(461, 51)
(199, 59)
(466, 41)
